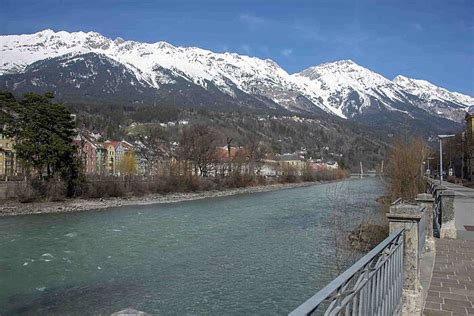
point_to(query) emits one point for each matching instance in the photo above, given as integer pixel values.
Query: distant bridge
(370, 173)
(367, 174)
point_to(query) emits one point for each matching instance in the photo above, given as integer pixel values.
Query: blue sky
(432, 39)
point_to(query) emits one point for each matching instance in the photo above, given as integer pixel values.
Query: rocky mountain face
(436, 100)
(88, 67)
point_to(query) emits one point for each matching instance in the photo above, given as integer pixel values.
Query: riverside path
(451, 290)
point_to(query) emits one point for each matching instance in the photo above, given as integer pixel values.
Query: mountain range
(91, 68)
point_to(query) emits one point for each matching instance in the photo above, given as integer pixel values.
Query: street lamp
(441, 137)
(429, 158)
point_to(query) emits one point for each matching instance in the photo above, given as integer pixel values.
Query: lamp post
(422, 167)
(429, 158)
(441, 137)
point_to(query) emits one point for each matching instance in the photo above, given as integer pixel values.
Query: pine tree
(44, 133)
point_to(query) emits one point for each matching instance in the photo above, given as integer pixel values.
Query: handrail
(331, 292)
(397, 201)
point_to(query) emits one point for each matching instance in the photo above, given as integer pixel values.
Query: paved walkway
(463, 210)
(451, 289)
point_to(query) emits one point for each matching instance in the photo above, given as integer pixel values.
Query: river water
(253, 254)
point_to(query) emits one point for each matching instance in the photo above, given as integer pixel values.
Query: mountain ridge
(342, 88)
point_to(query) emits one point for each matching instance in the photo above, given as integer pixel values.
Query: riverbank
(13, 208)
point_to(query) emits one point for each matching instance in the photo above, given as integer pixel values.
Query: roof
(470, 110)
(114, 143)
(126, 145)
(288, 157)
(223, 153)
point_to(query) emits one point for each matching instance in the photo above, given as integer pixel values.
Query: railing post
(438, 189)
(408, 216)
(448, 228)
(427, 201)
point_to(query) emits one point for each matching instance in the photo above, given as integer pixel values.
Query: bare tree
(197, 144)
(153, 148)
(405, 168)
(355, 229)
(229, 153)
(256, 151)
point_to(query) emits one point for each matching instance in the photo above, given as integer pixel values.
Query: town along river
(261, 253)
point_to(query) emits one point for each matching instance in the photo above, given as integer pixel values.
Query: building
(101, 159)
(122, 149)
(110, 161)
(291, 164)
(469, 139)
(270, 168)
(230, 159)
(87, 151)
(323, 166)
(8, 161)
(115, 151)
(91, 152)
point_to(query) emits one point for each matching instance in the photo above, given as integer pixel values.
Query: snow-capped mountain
(353, 90)
(67, 63)
(434, 99)
(159, 64)
(350, 89)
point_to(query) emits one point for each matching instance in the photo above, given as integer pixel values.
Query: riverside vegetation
(44, 132)
(403, 179)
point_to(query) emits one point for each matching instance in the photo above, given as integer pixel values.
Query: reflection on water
(261, 253)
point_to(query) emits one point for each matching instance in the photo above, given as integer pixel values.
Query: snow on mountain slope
(434, 99)
(428, 91)
(349, 88)
(342, 88)
(226, 71)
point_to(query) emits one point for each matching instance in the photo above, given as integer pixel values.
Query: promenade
(463, 210)
(451, 290)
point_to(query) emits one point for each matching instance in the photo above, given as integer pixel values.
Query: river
(252, 254)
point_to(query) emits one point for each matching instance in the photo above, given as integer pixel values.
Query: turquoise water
(253, 254)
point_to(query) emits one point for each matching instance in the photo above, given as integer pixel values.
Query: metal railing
(431, 188)
(422, 233)
(372, 286)
(437, 216)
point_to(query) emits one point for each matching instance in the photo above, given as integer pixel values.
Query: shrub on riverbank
(54, 189)
(325, 175)
(366, 236)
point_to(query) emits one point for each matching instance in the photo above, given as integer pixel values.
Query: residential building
(270, 168)
(110, 164)
(8, 161)
(230, 159)
(321, 166)
(101, 159)
(115, 151)
(122, 148)
(290, 164)
(91, 152)
(87, 151)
